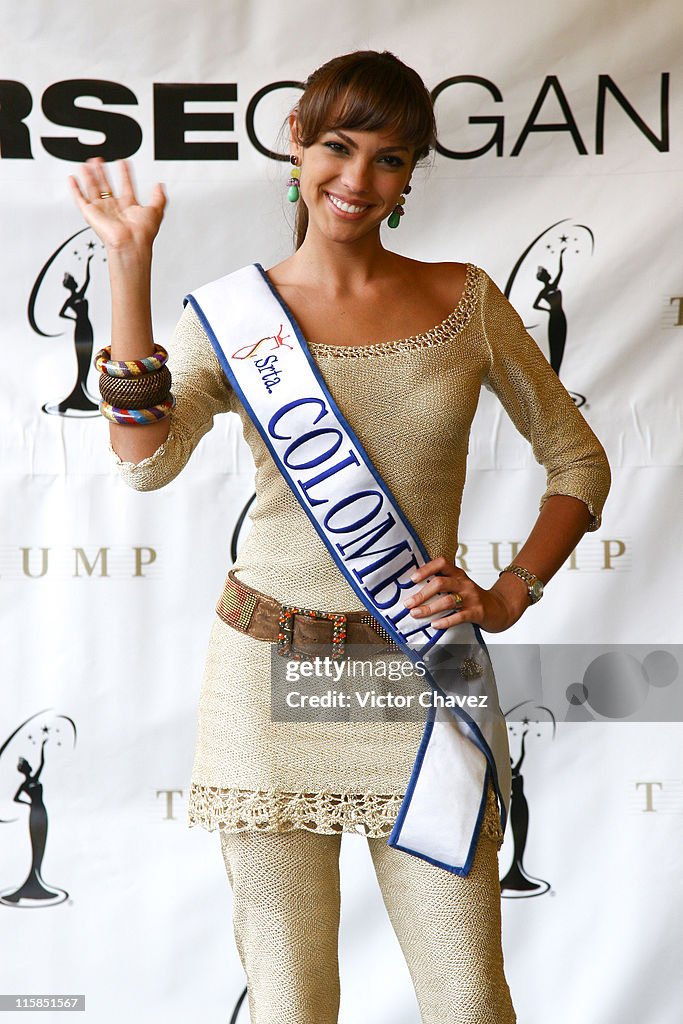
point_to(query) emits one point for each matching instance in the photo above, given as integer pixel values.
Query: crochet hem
(370, 814)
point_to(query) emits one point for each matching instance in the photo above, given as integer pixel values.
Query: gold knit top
(411, 403)
(435, 381)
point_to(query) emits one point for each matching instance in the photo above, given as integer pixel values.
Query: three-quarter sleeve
(541, 408)
(201, 391)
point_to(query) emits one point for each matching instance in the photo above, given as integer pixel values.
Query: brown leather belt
(298, 630)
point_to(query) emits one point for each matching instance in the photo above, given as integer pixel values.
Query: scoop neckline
(438, 333)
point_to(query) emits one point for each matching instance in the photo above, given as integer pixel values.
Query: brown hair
(364, 91)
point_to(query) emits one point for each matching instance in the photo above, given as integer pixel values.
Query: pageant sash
(265, 357)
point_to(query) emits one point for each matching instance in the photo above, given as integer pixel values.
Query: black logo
(536, 277)
(31, 737)
(518, 882)
(76, 277)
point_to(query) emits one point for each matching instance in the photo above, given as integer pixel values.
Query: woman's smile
(345, 208)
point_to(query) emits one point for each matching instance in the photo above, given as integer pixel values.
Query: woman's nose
(356, 176)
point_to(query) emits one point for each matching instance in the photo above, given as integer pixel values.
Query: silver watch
(533, 584)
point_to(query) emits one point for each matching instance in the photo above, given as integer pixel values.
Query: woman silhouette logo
(564, 236)
(557, 321)
(76, 308)
(518, 882)
(79, 400)
(34, 891)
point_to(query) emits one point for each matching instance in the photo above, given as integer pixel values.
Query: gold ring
(458, 600)
(106, 195)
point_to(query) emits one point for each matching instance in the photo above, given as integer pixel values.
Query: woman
(282, 792)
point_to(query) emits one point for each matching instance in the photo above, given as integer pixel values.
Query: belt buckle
(285, 636)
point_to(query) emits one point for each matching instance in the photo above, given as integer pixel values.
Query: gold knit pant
(286, 905)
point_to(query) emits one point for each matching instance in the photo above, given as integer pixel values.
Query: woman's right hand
(120, 222)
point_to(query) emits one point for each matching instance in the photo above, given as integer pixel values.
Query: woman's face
(351, 180)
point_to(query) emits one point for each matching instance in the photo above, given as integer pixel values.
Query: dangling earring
(398, 211)
(293, 183)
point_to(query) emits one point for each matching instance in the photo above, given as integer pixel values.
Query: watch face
(537, 590)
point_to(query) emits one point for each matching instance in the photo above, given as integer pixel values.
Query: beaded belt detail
(298, 631)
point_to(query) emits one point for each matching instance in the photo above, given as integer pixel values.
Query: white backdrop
(107, 594)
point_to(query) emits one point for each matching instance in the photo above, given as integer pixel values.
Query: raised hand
(120, 222)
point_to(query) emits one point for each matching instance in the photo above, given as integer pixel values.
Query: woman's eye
(390, 160)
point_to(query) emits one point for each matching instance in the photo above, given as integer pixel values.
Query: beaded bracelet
(136, 392)
(138, 417)
(129, 367)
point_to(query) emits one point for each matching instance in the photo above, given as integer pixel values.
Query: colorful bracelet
(136, 392)
(130, 367)
(138, 417)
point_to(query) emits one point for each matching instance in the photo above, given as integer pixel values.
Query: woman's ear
(294, 134)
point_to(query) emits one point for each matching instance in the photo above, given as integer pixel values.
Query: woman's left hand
(492, 609)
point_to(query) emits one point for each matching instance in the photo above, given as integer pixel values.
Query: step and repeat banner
(559, 172)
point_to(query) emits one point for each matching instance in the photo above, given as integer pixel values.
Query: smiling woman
(356, 374)
(359, 175)
(371, 92)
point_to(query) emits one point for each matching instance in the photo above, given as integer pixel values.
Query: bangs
(374, 96)
(380, 109)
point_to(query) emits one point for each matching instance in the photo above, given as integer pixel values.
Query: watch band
(534, 585)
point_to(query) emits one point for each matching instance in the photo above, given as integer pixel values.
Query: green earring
(293, 183)
(398, 211)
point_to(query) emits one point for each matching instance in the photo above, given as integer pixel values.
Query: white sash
(265, 357)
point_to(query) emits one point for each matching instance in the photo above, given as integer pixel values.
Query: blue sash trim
(475, 734)
(393, 839)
